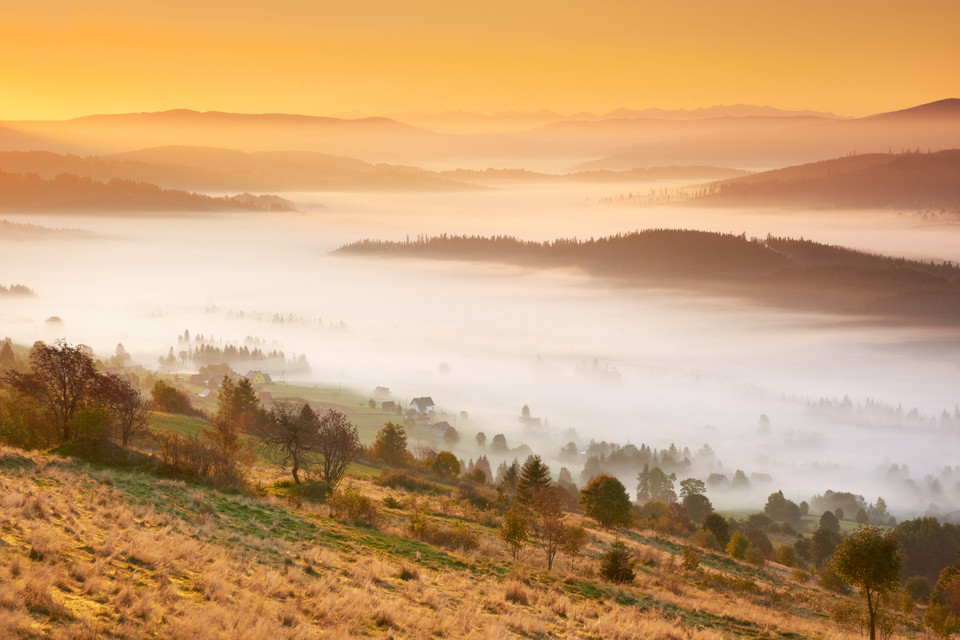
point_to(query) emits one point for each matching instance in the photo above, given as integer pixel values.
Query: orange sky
(65, 58)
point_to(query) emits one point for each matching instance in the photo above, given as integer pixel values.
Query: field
(92, 552)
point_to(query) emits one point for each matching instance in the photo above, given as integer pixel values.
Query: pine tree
(534, 476)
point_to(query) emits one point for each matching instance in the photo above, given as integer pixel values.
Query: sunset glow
(856, 57)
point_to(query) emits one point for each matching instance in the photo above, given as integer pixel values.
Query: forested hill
(877, 180)
(779, 271)
(70, 193)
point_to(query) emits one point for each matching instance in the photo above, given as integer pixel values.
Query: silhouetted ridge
(878, 180)
(67, 192)
(781, 271)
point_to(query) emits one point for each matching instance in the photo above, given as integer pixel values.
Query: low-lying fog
(653, 367)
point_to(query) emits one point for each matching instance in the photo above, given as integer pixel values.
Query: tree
(62, 380)
(451, 436)
(126, 407)
(822, 546)
(525, 412)
(661, 486)
(617, 564)
(548, 525)
(692, 487)
(8, 360)
(507, 477)
(737, 547)
(390, 446)
(481, 439)
(534, 476)
(697, 506)
(513, 529)
(715, 524)
(574, 540)
(338, 443)
(779, 508)
(643, 485)
(830, 522)
(290, 434)
(499, 444)
(870, 559)
(446, 464)
(605, 500)
(170, 400)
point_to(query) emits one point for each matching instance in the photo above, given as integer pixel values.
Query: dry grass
(94, 554)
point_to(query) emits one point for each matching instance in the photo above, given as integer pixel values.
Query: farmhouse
(258, 377)
(423, 406)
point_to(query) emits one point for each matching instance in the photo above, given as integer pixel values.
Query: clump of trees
(61, 396)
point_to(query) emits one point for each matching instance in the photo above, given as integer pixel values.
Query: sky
(64, 58)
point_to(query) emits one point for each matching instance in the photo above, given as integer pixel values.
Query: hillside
(779, 271)
(93, 551)
(210, 169)
(70, 193)
(905, 180)
(644, 174)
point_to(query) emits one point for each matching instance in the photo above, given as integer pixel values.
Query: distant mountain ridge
(796, 274)
(739, 136)
(904, 180)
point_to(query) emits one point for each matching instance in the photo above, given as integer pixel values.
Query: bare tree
(339, 444)
(126, 406)
(290, 432)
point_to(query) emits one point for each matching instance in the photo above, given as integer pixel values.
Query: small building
(389, 405)
(439, 428)
(258, 377)
(423, 406)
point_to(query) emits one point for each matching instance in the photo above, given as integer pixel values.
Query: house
(439, 428)
(258, 377)
(203, 394)
(423, 406)
(389, 405)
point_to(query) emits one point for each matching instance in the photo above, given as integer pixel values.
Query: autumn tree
(548, 524)
(574, 540)
(870, 560)
(605, 500)
(779, 508)
(390, 446)
(445, 464)
(513, 529)
(62, 380)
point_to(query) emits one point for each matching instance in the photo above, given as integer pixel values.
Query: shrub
(408, 573)
(828, 579)
(800, 575)
(399, 479)
(787, 556)
(349, 505)
(313, 490)
(392, 503)
(455, 536)
(706, 540)
(617, 564)
(753, 555)
(516, 593)
(691, 559)
(737, 546)
(918, 587)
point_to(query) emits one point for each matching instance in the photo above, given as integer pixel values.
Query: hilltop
(904, 180)
(779, 271)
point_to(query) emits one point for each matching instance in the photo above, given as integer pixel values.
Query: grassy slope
(92, 552)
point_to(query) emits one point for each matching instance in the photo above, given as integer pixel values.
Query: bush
(691, 559)
(349, 505)
(617, 564)
(828, 579)
(399, 479)
(313, 490)
(516, 593)
(392, 503)
(753, 555)
(918, 587)
(455, 536)
(737, 546)
(706, 540)
(787, 556)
